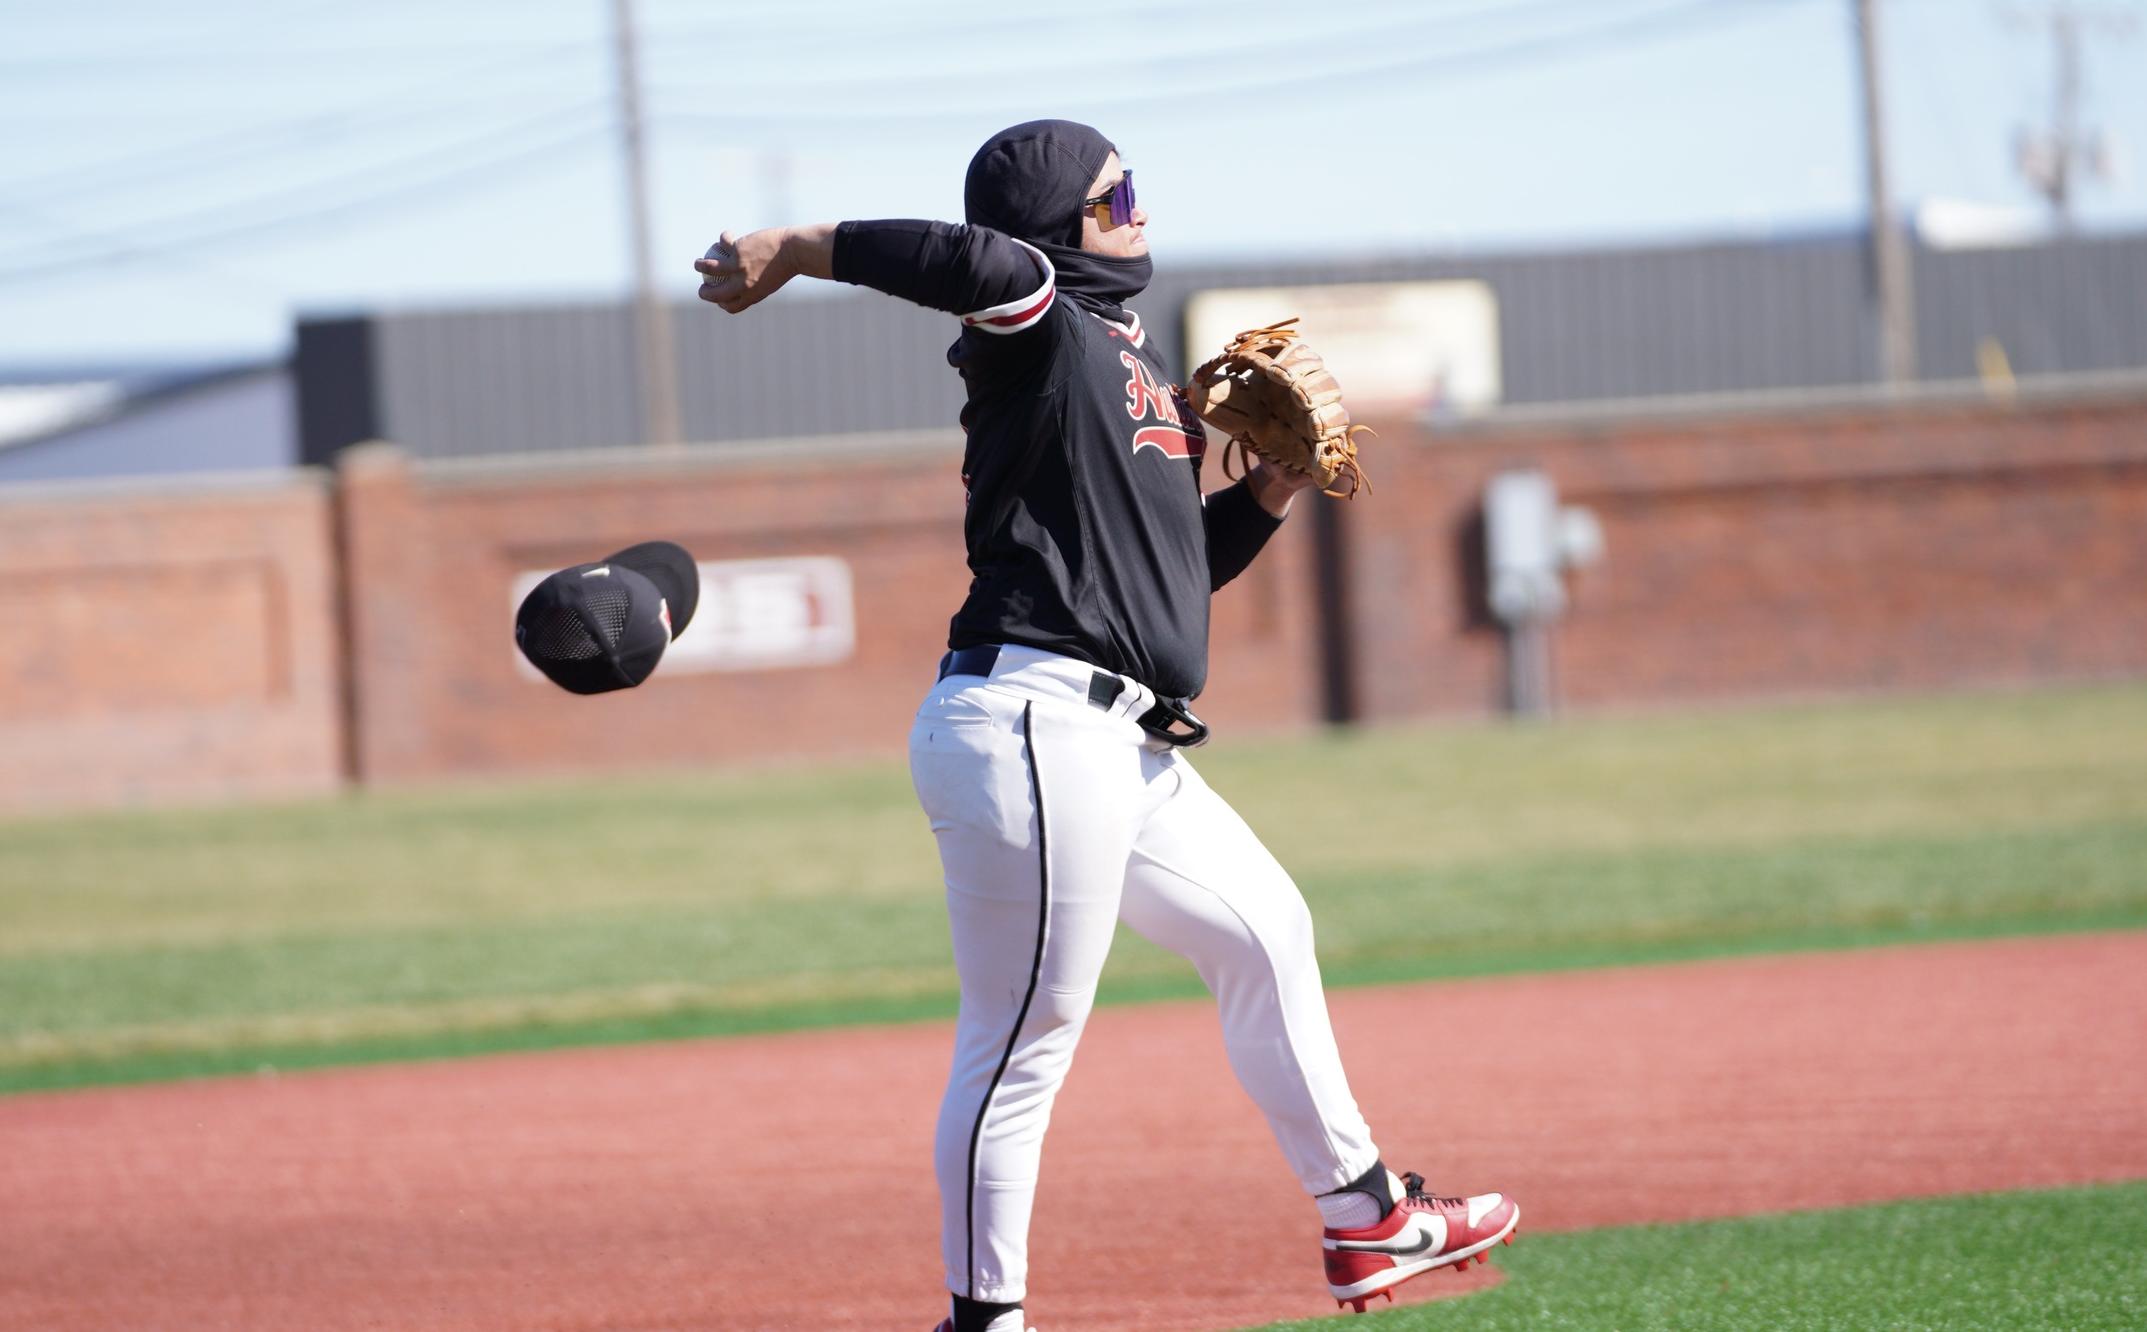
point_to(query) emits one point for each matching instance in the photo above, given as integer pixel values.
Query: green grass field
(2066, 1261)
(454, 920)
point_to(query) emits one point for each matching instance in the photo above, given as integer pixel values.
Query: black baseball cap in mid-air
(597, 627)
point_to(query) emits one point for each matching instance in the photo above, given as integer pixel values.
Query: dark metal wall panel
(513, 381)
(1573, 327)
(1627, 323)
(537, 381)
(338, 386)
(2073, 305)
(834, 364)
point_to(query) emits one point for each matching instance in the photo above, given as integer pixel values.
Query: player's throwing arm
(740, 272)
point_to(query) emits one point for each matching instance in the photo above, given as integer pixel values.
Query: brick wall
(1827, 551)
(180, 647)
(432, 552)
(188, 645)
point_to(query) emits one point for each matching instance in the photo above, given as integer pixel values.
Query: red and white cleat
(1421, 1233)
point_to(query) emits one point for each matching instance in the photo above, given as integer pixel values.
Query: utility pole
(654, 356)
(2052, 159)
(1889, 250)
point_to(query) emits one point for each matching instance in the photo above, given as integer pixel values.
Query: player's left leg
(1201, 884)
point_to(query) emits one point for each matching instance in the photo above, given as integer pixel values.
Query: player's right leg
(1033, 800)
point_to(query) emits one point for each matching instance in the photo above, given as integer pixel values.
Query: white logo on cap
(601, 571)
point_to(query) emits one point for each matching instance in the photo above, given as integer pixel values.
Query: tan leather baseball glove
(1274, 397)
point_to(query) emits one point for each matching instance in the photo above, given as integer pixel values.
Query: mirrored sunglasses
(1119, 197)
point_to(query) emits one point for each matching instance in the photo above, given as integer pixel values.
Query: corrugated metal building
(1584, 326)
(105, 422)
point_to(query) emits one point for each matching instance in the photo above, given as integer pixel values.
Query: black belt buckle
(969, 661)
(1158, 720)
(1104, 689)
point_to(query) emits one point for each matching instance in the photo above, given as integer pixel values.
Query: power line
(254, 143)
(288, 14)
(304, 63)
(1240, 46)
(307, 60)
(252, 218)
(1155, 18)
(310, 62)
(192, 158)
(212, 218)
(1629, 29)
(90, 235)
(323, 217)
(1151, 13)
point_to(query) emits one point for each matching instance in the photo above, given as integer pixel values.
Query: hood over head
(1028, 181)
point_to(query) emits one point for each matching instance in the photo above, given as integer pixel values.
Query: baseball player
(1050, 757)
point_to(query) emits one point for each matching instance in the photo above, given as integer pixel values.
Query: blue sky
(181, 181)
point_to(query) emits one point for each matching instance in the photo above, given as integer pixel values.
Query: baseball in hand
(720, 252)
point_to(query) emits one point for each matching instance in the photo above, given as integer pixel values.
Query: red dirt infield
(785, 1181)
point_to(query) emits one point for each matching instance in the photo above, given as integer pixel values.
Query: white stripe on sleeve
(1020, 313)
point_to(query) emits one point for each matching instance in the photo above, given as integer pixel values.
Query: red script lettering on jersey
(1145, 398)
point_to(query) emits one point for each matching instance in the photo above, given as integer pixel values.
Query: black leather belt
(1104, 689)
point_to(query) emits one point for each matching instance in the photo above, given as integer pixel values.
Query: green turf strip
(2065, 1259)
(451, 921)
(1521, 914)
(383, 995)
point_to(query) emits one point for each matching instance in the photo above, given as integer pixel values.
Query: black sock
(1373, 1182)
(976, 1315)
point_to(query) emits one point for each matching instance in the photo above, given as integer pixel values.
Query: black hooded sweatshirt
(1086, 528)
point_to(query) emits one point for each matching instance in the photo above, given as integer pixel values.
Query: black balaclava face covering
(1029, 181)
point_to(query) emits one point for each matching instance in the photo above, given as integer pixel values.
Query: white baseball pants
(1056, 819)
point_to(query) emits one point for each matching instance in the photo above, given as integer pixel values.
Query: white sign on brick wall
(753, 615)
(1407, 346)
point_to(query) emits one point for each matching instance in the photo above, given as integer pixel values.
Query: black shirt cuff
(1237, 528)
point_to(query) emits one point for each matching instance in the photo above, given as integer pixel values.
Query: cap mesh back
(608, 608)
(558, 635)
